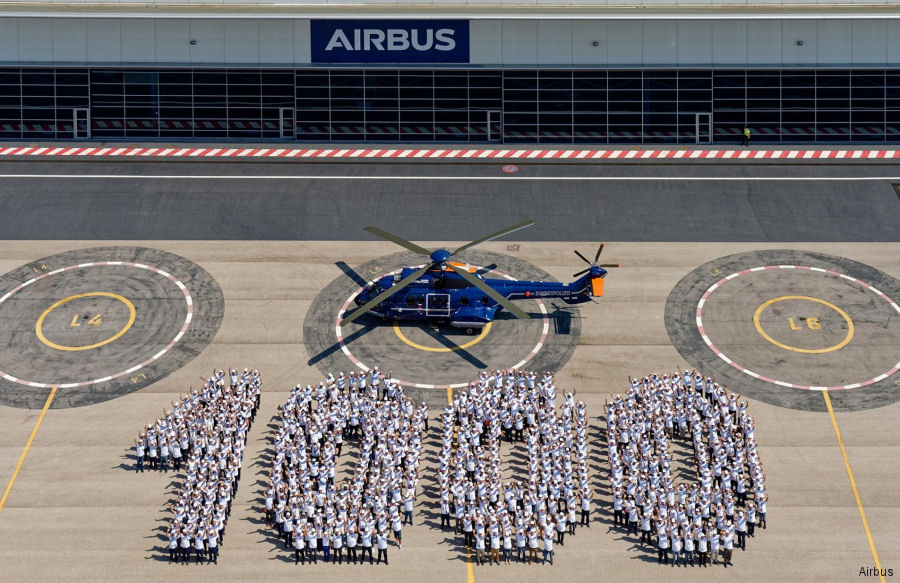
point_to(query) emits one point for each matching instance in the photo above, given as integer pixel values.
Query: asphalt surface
(113, 200)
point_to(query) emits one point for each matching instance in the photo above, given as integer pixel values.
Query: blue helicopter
(449, 292)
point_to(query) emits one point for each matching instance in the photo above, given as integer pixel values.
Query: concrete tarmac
(228, 200)
(76, 511)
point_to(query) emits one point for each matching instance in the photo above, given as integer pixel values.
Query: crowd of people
(691, 523)
(529, 515)
(206, 432)
(315, 511)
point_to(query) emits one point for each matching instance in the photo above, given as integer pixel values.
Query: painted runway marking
(34, 431)
(859, 506)
(184, 327)
(718, 352)
(458, 178)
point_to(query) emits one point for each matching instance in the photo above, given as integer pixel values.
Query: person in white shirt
(727, 547)
(139, 454)
(548, 545)
(299, 544)
(382, 547)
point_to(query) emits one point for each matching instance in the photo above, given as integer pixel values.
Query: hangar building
(538, 71)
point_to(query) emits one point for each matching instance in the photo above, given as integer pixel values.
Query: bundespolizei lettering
(389, 41)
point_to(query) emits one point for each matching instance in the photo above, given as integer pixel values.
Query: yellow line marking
(476, 340)
(38, 328)
(34, 431)
(862, 512)
(837, 346)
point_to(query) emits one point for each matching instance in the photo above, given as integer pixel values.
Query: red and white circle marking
(747, 371)
(187, 322)
(340, 335)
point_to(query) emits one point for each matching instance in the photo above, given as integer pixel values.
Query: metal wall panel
(9, 39)
(173, 42)
(36, 39)
(625, 44)
(520, 45)
(498, 42)
(104, 40)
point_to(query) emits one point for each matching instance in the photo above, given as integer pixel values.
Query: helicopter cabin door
(437, 305)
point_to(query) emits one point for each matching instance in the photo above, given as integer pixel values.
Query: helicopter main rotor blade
(488, 290)
(599, 251)
(583, 271)
(398, 240)
(527, 223)
(583, 258)
(396, 288)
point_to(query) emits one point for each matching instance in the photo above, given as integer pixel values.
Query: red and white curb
(430, 154)
(720, 354)
(184, 327)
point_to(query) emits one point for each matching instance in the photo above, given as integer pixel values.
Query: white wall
(493, 42)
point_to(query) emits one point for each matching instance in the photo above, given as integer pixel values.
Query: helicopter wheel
(470, 331)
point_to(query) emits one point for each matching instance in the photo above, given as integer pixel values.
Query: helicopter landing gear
(470, 331)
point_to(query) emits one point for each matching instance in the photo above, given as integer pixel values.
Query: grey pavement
(240, 200)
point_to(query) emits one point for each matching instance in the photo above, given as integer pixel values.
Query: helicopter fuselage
(441, 295)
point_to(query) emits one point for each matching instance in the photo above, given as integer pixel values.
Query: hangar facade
(385, 71)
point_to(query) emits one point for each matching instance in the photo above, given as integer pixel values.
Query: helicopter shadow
(444, 335)
(368, 324)
(562, 319)
(349, 272)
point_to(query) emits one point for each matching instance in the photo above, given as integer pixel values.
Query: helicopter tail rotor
(594, 262)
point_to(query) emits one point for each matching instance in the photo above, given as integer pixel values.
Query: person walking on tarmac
(746, 137)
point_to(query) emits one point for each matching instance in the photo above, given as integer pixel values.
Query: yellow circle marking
(837, 346)
(40, 321)
(474, 341)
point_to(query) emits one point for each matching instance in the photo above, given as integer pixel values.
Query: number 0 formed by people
(659, 415)
(318, 510)
(498, 412)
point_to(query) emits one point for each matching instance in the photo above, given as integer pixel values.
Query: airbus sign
(389, 41)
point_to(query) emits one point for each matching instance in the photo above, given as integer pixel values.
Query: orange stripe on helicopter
(465, 266)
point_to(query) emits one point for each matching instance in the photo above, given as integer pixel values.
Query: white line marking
(505, 177)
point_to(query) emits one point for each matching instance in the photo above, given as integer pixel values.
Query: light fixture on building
(596, 43)
(193, 41)
(799, 43)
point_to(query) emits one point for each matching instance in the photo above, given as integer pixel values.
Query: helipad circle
(38, 327)
(543, 342)
(839, 332)
(759, 328)
(172, 309)
(484, 332)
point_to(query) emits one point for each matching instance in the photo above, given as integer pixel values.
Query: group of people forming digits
(313, 509)
(206, 431)
(320, 508)
(726, 504)
(529, 514)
